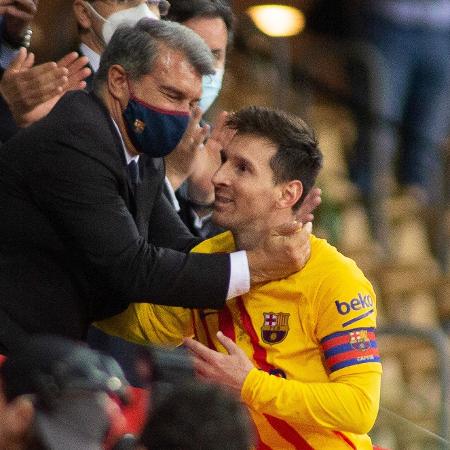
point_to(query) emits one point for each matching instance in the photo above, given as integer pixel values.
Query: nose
(220, 177)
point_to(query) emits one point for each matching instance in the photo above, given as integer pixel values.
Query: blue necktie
(133, 173)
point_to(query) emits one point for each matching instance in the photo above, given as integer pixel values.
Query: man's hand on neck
(284, 251)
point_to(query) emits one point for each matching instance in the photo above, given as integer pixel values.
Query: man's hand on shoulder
(284, 251)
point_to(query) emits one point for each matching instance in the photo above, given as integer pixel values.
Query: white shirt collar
(94, 58)
(128, 156)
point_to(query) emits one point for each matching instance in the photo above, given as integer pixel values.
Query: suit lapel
(152, 174)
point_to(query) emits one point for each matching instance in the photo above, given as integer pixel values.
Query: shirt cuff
(7, 54)
(240, 274)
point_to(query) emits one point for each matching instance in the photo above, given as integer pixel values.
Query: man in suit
(81, 236)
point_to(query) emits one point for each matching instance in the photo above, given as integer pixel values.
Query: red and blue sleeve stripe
(349, 348)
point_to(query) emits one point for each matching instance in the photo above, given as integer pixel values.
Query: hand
(18, 16)
(309, 204)
(284, 252)
(17, 417)
(31, 92)
(179, 161)
(77, 72)
(200, 187)
(228, 370)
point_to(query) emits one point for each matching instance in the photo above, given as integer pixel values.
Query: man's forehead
(241, 142)
(169, 59)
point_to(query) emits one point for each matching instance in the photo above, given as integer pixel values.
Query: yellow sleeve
(349, 403)
(345, 314)
(164, 325)
(145, 322)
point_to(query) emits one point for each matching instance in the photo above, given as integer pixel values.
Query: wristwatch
(24, 40)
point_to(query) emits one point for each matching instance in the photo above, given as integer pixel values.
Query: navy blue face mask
(153, 131)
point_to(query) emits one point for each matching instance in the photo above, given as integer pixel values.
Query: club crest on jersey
(359, 340)
(275, 327)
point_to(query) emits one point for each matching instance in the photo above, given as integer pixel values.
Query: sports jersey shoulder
(342, 304)
(222, 243)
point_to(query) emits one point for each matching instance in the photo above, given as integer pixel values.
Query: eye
(223, 158)
(170, 96)
(242, 167)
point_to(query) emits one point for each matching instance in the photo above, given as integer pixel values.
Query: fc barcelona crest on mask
(275, 327)
(139, 126)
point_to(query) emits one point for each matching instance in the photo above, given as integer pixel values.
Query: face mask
(129, 16)
(211, 85)
(154, 131)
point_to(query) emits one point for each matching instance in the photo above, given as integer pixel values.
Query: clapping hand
(32, 91)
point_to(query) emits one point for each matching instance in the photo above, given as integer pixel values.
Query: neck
(249, 238)
(93, 41)
(115, 109)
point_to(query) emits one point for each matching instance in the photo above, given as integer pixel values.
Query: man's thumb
(17, 63)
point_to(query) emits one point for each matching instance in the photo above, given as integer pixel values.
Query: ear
(290, 193)
(118, 86)
(82, 14)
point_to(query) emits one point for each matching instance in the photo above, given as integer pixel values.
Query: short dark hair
(183, 10)
(137, 47)
(198, 416)
(298, 156)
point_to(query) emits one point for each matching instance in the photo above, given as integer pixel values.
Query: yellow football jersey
(311, 337)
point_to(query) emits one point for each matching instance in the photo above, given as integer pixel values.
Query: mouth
(221, 201)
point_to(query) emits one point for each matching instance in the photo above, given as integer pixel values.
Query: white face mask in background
(128, 16)
(211, 86)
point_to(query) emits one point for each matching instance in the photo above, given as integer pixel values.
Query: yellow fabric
(330, 410)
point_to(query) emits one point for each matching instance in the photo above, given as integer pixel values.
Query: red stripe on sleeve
(344, 339)
(332, 360)
(338, 340)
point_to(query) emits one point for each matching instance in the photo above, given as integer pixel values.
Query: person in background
(191, 165)
(97, 20)
(406, 130)
(55, 394)
(197, 416)
(30, 92)
(301, 352)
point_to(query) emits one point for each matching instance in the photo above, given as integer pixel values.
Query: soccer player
(301, 352)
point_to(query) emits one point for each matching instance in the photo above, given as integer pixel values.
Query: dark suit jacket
(8, 126)
(76, 244)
